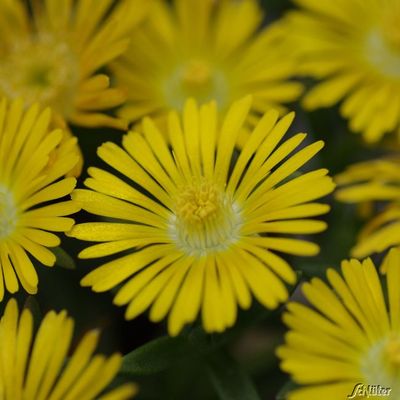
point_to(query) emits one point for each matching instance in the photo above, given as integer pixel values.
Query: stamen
(197, 203)
(391, 27)
(381, 364)
(196, 73)
(196, 78)
(43, 69)
(392, 351)
(205, 219)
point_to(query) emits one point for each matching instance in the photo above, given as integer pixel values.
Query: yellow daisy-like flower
(370, 182)
(348, 336)
(30, 178)
(52, 57)
(205, 225)
(35, 365)
(207, 50)
(353, 48)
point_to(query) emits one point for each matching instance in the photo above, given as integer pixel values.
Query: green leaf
(155, 356)
(230, 381)
(162, 353)
(286, 388)
(63, 259)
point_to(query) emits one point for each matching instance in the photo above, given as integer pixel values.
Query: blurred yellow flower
(348, 335)
(53, 58)
(353, 48)
(206, 230)
(31, 176)
(35, 366)
(208, 50)
(374, 181)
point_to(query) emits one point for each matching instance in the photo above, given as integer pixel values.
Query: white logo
(366, 391)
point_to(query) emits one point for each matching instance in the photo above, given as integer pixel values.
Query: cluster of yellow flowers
(207, 194)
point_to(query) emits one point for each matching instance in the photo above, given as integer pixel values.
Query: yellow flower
(204, 225)
(30, 178)
(208, 50)
(374, 181)
(53, 58)
(35, 366)
(353, 48)
(348, 335)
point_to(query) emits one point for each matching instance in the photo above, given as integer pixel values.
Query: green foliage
(286, 389)
(229, 379)
(155, 356)
(63, 259)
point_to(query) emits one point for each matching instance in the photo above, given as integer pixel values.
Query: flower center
(381, 366)
(198, 203)
(205, 220)
(42, 69)
(382, 46)
(8, 213)
(392, 353)
(195, 78)
(196, 74)
(391, 27)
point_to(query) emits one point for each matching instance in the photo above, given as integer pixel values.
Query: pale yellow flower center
(205, 220)
(196, 74)
(195, 78)
(41, 69)
(381, 365)
(392, 353)
(8, 213)
(382, 46)
(198, 203)
(391, 28)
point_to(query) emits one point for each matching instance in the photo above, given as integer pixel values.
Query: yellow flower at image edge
(187, 49)
(51, 54)
(52, 58)
(35, 366)
(368, 183)
(204, 226)
(31, 182)
(349, 335)
(353, 49)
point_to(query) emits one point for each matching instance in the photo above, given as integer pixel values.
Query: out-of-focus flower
(31, 175)
(35, 365)
(348, 337)
(53, 59)
(207, 50)
(374, 181)
(352, 48)
(53, 56)
(209, 221)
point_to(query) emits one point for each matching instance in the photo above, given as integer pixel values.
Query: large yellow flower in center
(204, 226)
(353, 48)
(208, 50)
